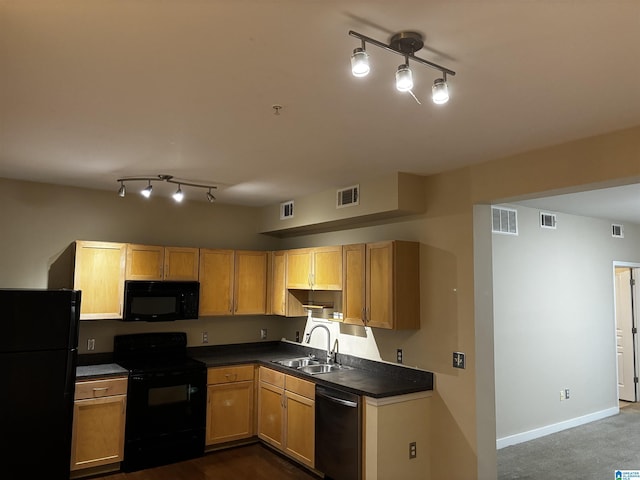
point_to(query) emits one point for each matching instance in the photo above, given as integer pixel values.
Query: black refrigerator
(38, 357)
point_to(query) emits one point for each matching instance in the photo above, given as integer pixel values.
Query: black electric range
(166, 399)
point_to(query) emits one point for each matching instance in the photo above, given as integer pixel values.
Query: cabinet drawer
(301, 387)
(101, 388)
(271, 376)
(239, 373)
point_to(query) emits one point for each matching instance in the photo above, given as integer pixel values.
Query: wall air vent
(286, 210)
(348, 197)
(504, 220)
(548, 220)
(617, 231)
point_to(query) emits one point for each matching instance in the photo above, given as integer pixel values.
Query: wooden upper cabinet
(315, 268)
(298, 264)
(216, 281)
(181, 263)
(152, 262)
(144, 262)
(382, 285)
(353, 291)
(281, 301)
(233, 282)
(250, 282)
(392, 291)
(99, 273)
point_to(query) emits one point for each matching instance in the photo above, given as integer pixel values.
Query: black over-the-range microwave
(160, 301)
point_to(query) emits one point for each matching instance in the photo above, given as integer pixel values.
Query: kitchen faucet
(329, 359)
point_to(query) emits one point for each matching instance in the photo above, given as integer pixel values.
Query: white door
(624, 335)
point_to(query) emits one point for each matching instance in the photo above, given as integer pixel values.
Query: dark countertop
(365, 377)
(85, 372)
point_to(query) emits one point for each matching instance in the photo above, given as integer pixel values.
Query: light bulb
(440, 91)
(147, 191)
(178, 196)
(360, 63)
(404, 79)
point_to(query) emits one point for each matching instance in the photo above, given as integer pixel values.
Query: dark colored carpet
(589, 452)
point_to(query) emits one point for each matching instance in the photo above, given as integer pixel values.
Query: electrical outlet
(263, 333)
(458, 360)
(91, 344)
(399, 355)
(566, 393)
(412, 450)
(205, 337)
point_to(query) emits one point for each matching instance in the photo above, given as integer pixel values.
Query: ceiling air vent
(504, 220)
(348, 197)
(617, 231)
(286, 210)
(548, 220)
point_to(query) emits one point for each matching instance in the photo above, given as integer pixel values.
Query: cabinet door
(99, 273)
(299, 268)
(181, 263)
(145, 262)
(379, 283)
(250, 284)
(300, 427)
(229, 412)
(393, 285)
(216, 282)
(327, 268)
(270, 414)
(98, 431)
(353, 285)
(277, 286)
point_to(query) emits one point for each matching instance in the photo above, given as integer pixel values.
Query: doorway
(626, 287)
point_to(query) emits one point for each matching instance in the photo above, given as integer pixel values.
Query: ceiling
(94, 90)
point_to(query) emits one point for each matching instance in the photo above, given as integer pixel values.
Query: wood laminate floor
(250, 462)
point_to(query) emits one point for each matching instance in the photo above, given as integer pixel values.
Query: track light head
(122, 191)
(210, 197)
(440, 91)
(404, 78)
(179, 195)
(360, 63)
(146, 193)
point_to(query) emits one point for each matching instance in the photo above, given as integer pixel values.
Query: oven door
(166, 417)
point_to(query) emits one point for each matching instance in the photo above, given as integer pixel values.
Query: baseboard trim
(556, 427)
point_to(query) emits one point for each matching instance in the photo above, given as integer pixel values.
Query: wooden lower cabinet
(286, 414)
(98, 423)
(230, 404)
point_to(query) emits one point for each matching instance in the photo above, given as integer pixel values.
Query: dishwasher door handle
(341, 401)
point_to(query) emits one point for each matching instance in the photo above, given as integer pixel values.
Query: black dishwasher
(338, 434)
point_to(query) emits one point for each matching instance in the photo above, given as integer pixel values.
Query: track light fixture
(405, 44)
(178, 196)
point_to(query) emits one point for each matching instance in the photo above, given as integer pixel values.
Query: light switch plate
(458, 360)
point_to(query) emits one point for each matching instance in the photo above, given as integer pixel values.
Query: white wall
(554, 323)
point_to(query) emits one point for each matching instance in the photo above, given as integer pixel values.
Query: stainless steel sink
(298, 362)
(321, 368)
